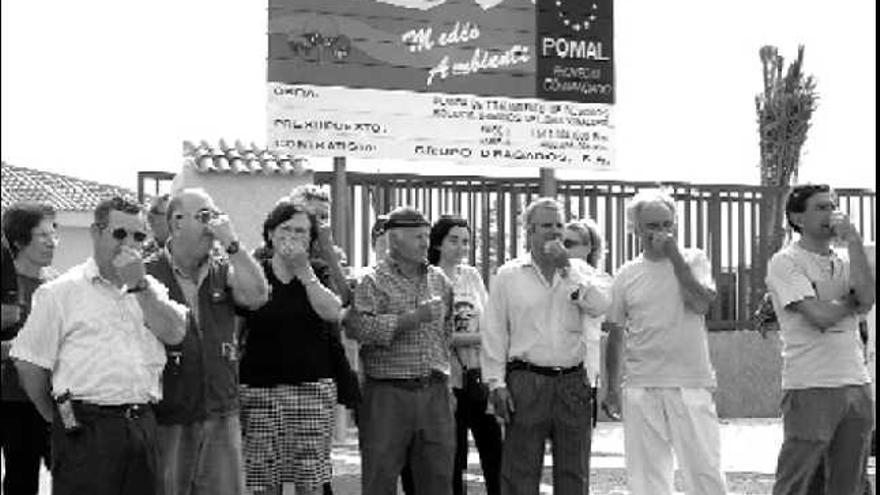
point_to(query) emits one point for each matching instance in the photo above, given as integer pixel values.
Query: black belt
(127, 411)
(543, 370)
(416, 383)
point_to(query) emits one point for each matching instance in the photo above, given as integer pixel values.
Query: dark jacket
(201, 375)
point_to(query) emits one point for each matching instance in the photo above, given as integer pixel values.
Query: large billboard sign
(495, 82)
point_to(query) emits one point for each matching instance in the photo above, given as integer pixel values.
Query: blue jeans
(203, 458)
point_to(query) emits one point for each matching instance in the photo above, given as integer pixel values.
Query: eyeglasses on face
(120, 233)
(205, 215)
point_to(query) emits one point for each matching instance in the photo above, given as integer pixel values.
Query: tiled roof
(63, 192)
(239, 159)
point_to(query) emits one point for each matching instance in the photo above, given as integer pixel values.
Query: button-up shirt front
(535, 320)
(93, 338)
(383, 295)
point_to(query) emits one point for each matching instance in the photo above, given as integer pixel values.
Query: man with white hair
(402, 318)
(659, 303)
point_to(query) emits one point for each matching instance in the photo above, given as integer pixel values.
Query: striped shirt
(383, 295)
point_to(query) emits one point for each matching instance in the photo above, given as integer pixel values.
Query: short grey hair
(647, 197)
(543, 202)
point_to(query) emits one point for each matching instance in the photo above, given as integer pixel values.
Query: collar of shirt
(395, 266)
(180, 273)
(528, 261)
(93, 274)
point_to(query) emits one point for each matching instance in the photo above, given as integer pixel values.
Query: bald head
(186, 224)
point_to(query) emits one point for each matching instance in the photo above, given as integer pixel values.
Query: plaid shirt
(382, 296)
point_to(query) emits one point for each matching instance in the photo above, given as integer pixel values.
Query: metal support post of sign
(339, 221)
(548, 182)
(339, 204)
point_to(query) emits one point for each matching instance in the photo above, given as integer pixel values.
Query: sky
(101, 89)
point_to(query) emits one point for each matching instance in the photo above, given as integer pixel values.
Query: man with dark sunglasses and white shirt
(90, 356)
(205, 268)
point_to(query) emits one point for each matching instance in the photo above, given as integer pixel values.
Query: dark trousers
(114, 453)
(470, 414)
(24, 439)
(833, 424)
(547, 407)
(817, 484)
(398, 424)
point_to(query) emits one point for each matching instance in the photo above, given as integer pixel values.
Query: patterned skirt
(288, 433)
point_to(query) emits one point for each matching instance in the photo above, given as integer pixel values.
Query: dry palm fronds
(784, 111)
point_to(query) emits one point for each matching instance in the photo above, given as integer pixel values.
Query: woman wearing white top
(449, 244)
(582, 240)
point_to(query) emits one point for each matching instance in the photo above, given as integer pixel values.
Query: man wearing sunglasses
(205, 268)
(94, 339)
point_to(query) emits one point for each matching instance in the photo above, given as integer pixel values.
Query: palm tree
(784, 111)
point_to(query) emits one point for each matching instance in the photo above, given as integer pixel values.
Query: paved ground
(749, 454)
(749, 450)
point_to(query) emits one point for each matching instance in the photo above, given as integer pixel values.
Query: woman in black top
(288, 396)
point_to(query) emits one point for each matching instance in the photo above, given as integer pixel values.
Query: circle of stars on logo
(576, 26)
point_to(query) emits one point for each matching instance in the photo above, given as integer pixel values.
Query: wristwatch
(233, 247)
(139, 287)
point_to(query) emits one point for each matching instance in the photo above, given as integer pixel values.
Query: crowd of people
(176, 361)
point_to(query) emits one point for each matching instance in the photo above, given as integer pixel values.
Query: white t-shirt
(811, 358)
(468, 300)
(666, 344)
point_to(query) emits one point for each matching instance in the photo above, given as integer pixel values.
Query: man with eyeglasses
(199, 426)
(90, 356)
(31, 231)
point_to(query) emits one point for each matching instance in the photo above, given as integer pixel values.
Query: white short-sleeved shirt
(93, 338)
(810, 357)
(666, 344)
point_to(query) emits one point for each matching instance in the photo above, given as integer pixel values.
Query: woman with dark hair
(288, 395)
(30, 230)
(449, 245)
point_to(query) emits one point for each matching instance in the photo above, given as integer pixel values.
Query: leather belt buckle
(133, 411)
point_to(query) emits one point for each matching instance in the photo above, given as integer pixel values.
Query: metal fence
(723, 220)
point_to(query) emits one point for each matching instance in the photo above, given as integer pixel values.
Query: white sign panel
(466, 129)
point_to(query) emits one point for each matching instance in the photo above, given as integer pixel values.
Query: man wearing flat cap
(402, 319)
